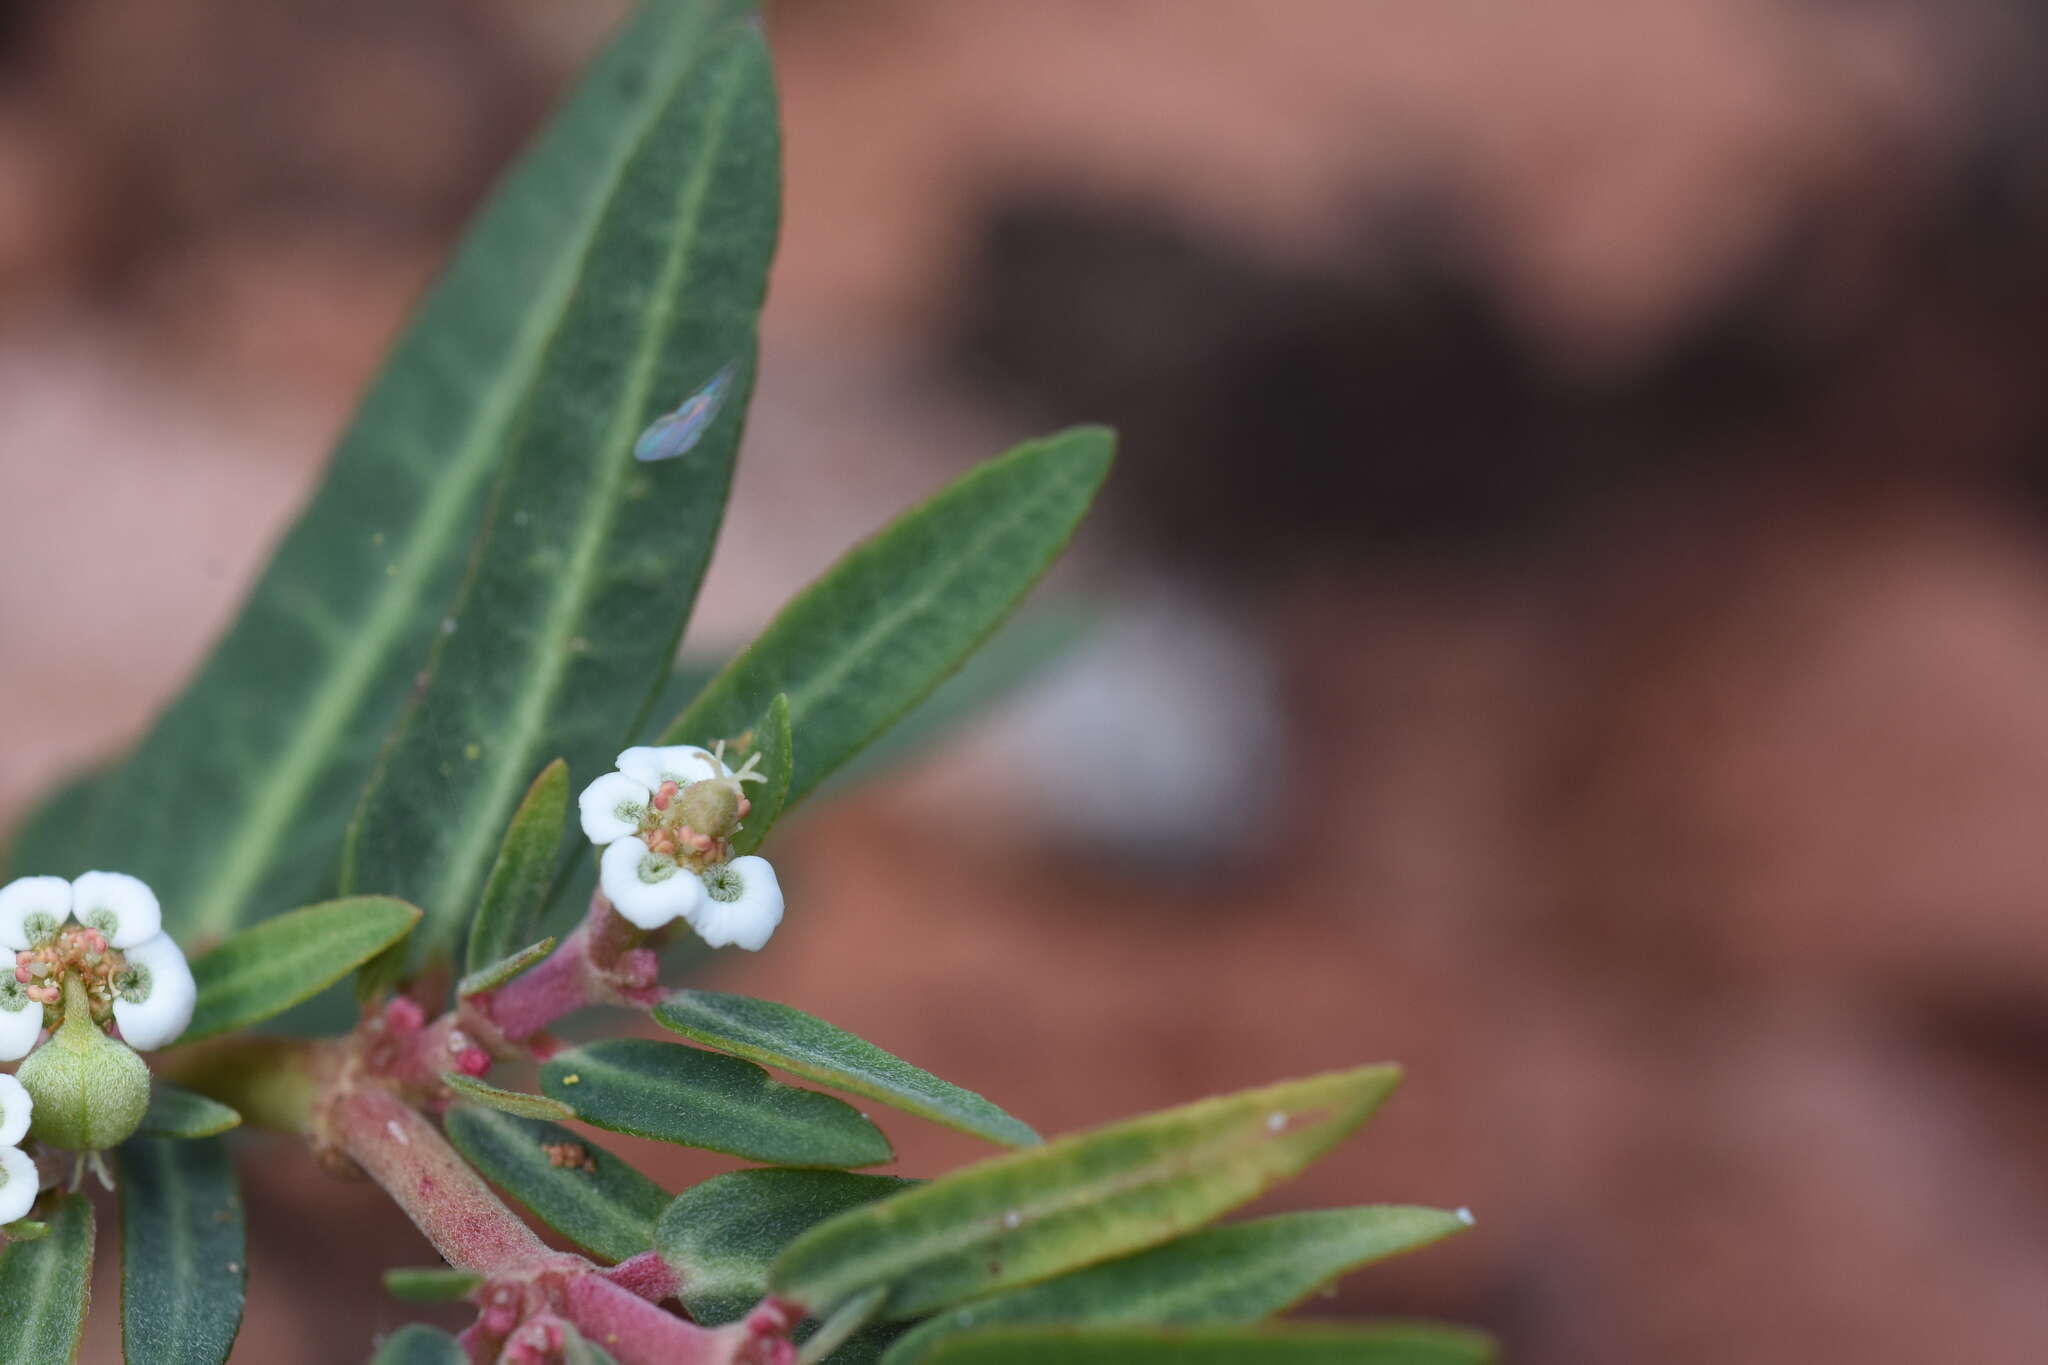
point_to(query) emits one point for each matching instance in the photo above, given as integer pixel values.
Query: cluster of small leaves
(488, 586)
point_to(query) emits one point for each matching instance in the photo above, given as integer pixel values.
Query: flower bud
(89, 1091)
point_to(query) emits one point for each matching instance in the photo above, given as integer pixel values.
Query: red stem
(445, 1199)
(605, 961)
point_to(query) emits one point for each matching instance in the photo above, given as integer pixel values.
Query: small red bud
(404, 1014)
(473, 1061)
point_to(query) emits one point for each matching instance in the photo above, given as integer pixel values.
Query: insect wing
(676, 433)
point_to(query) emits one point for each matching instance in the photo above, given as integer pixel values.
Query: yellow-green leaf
(1028, 1216)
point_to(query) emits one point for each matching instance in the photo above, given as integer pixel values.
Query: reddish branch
(370, 1096)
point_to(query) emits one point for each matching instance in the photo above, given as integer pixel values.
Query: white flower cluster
(105, 931)
(665, 820)
(19, 1181)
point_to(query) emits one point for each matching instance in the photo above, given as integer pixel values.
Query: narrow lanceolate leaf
(1238, 1274)
(430, 1284)
(720, 1237)
(175, 1113)
(506, 1101)
(44, 1285)
(586, 570)
(517, 890)
(1396, 1344)
(1034, 1214)
(779, 1036)
(701, 1099)
(420, 1345)
(772, 740)
(899, 613)
(184, 1262)
(496, 974)
(282, 726)
(265, 970)
(580, 1190)
(1011, 659)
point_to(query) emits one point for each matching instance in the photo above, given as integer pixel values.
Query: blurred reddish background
(1573, 611)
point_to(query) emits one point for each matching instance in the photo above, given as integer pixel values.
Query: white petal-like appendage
(649, 891)
(15, 1108)
(612, 807)
(20, 1183)
(681, 764)
(118, 905)
(21, 1021)
(164, 983)
(31, 909)
(742, 904)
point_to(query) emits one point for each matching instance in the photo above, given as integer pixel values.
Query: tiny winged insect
(676, 433)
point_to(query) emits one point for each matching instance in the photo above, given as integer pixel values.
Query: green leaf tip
(1017, 1219)
(266, 969)
(430, 1284)
(1238, 1273)
(704, 1099)
(901, 611)
(784, 1037)
(177, 1113)
(507, 968)
(506, 1101)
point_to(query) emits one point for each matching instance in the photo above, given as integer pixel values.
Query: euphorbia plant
(491, 584)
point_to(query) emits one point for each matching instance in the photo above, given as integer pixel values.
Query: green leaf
(1393, 1344)
(506, 1101)
(779, 1036)
(265, 970)
(175, 1113)
(420, 1345)
(1237, 1274)
(720, 1237)
(588, 565)
(898, 613)
(430, 1284)
(844, 1324)
(600, 1203)
(772, 741)
(1034, 1214)
(517, 891)
(701, 1099)
(184, 1259)
(1016, 654)
(44, 1285)
(54, 837)
(283, 725)
(507, 968)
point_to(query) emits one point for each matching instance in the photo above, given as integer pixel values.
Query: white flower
(742, 904)
(119, 906)
(153, 995)
(15, 1108)
(649, 889)
(32, 909)
(20, 1183)
(153, 1000)
(681, 764)
(665, 820)
(613, 807)
(21, 1020)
